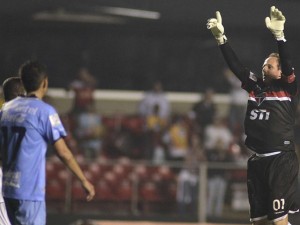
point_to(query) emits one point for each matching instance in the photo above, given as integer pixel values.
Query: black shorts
(272, 184)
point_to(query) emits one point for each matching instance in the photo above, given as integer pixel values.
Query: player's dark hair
(12, 88)
(32, 74)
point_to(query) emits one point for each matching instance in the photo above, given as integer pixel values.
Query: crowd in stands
(156, 135)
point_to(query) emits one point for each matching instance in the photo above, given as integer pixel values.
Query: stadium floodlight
(138, 13)
(64, 16)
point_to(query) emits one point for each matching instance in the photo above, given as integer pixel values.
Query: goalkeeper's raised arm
(217, 29)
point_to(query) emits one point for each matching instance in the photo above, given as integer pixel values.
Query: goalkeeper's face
(271, 69)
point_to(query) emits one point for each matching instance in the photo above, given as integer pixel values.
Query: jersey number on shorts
(20, 132)
(278, 204)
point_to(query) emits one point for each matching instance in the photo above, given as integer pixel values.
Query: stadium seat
(124, 191)
(104, 192)
(55, 190)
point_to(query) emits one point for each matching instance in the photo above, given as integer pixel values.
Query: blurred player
(28, 124)
(12, 88)
(270, 117)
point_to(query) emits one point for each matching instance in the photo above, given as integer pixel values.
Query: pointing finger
(219, 17)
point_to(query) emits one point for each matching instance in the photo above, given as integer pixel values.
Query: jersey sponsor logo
(259, 114)
(12, 179)
(54, 120)
(14, 118)
(26, 109)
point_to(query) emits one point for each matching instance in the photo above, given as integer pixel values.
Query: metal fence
(139, 189)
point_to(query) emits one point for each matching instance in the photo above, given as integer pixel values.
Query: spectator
(188, 176)
(89, 131)
(155, 98)
(154, 122)
(204, 111)
(155, 127)
(187, 190)
(177, 139)
(218, 139)
(154, 108)
(83, 87)
(217, 133)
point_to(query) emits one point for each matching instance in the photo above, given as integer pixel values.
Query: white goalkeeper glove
(275, 23)
(216, 28)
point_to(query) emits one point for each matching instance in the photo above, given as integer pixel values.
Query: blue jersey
(27, 125)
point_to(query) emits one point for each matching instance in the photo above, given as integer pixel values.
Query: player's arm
(234, 63)
(285, 59)
(275, 23)
(68, 159)
(287, 68)
(217, 29)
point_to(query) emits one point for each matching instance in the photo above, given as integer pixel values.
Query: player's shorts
(272, 183)
(22, 212)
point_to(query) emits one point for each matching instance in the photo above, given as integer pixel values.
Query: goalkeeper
(269, 122)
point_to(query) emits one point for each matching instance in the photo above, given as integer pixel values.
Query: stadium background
(127, 54)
